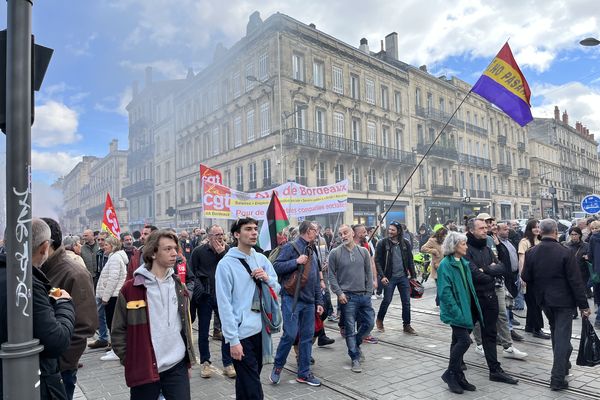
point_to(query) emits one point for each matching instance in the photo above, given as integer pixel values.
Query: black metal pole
(20, 358)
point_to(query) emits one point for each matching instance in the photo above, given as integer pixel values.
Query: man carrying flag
(504, 85)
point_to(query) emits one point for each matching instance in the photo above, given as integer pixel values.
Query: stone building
(73, 220)
(578, 170)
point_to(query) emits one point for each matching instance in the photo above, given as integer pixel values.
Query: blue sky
(101, 47)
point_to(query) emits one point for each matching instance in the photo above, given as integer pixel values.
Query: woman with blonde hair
(110, 282)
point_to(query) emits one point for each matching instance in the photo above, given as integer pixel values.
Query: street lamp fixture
(252, 78)
(299, 107)
(590, 42)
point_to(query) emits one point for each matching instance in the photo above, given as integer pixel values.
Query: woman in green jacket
(459, 307)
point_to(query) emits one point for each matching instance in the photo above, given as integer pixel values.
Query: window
(398, 139)
(265, 119)
(355, 87)
(385, 101)
(372, 178)
(321, 174)
(371, 132)
(370, 91)
(462, 180)
(355, 134)
(319, 74)
(298, 67)
(300, 116)
(387, 184)
(338, 79)
(158, 204)
(249, 72)
(168, 171)
(418, 97)
(385, 137)
(398, 102)
(454, 179)
(239, 178)
(479, 182)
(215, 140)
(356, 178)
(429, 101)
(237, 131)
(422, 177)
(266, 172)
(433, 175)
(235, 81)
(157, 174)
(485, 184)
(338, 124)
(340, 175)
(320, 126)
(471, 181)
(182, 193)
(252, 176)
(227, 180)
(301, 171)
(263, 66)
(250, 126)
(168, 199)
(190, 192)
(442, 104)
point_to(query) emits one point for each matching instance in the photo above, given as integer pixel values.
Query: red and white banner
(110, 223)
(208, 174)
(219, 201)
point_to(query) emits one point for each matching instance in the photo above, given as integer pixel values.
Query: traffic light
(40, 59)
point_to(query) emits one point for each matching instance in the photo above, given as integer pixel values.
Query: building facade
(577, 173)
(73, 219)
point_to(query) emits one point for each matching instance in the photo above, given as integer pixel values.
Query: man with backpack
(297, 267)
(237, 276)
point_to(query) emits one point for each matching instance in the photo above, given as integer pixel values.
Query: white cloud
(538, 30)
(53, 163)
(82, 48)
(581, 103)
(55, 123)
(46, 201)
(170, 69)
(116, 104)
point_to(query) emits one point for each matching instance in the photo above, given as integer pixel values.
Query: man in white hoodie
(241, 320)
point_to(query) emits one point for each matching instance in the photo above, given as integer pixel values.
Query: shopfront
(439, 211)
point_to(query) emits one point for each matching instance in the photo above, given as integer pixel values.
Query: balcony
(301, 180)
(504, 169)
(483, 194)
(443, 190)
(436, 115)
(439, 150)
(267, 183)
(581, 188)
(476, 129)
(585, 170)
(141, 155)
(474, 161)
(252, 185)
(521, 146)
(140, 188)
(336, 144)
(372, 186)
(501, 140)
(523, 172)
(321, 182)
(94, 211)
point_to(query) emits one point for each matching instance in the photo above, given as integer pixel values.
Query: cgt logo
(112, 221)
(217, 201)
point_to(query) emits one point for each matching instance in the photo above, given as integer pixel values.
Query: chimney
(364, 46)
(423, 68)
(565, 118)
(382, 50)
(190, 73)
(578, 126)
(135, 88)
(556, 113)
(113, 146)
(391, 45)
(312, 26)
(148, 76)
(254, 23)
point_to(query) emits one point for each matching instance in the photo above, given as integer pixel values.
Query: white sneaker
(479, 350)
(109, 356)
(513, 352)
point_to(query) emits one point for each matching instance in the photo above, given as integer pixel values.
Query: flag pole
(419, 163)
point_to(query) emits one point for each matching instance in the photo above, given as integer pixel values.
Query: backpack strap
(245, 264)
(295, 246)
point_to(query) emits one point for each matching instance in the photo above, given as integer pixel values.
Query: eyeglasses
(217, 234)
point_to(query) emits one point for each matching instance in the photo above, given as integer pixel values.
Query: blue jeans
(205, 310)
(388, 291)
(301, 322)
(102, 328)
(69, 378)
(357, 311)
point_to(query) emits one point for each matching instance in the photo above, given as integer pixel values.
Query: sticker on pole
(591, 204)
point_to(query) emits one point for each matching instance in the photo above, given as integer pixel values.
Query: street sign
(591, 204)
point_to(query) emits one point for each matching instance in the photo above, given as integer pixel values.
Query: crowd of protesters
(136, 297)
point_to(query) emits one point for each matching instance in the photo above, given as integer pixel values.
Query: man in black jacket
(485, 267)
(53, 316)
(558, 289)
(395, 268)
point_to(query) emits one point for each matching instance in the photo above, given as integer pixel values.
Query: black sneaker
(540, 334)
(555, 386)
(325, 341)
(515, 336)
(501, 376)
(452, 381)
(462, 381)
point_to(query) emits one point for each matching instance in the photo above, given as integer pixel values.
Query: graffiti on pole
(22, 236)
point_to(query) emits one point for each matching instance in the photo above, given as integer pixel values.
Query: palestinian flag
(275, 221)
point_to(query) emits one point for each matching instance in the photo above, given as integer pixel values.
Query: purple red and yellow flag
(504, 85)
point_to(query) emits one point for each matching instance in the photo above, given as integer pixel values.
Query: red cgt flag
(110, 223)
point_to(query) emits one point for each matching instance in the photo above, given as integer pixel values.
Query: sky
(101, 47)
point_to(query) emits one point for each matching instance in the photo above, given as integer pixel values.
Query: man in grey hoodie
(151, 330)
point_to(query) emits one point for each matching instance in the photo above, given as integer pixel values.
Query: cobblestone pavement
(398, 367)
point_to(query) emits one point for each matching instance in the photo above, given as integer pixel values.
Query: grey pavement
(399, 367)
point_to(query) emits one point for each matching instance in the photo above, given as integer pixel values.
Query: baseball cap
(484, 216)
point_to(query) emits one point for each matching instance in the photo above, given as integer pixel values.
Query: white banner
(298, 201)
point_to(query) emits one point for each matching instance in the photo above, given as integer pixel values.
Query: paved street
(399, 367)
